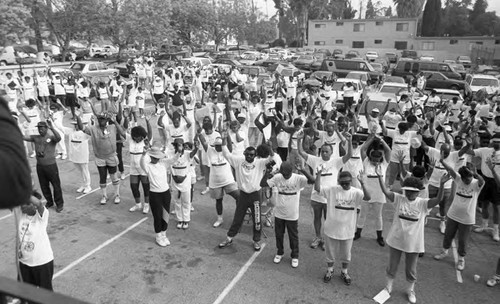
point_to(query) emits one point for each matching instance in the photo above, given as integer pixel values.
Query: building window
(359, 27)
(402, 27)
(320, 25)
(358, 44)
(497, 41)
(339, 41)
(378, 41)
(379, 23)
(427, 46)
(340, 23)
(401, 45)
(479, 42)
(453, 41)
(319, 43)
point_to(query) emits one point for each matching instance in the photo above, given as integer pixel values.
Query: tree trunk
(35, 14)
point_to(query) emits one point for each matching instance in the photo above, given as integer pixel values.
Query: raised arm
(449, 169)
(300, 149)
(348, 155)
(388, 194)
(434, 201)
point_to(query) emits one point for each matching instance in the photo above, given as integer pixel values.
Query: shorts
(489, 192)
(140, 103)
(110, 162)
(43, 91)
(217, 193)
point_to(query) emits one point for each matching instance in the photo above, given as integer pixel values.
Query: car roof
(348, 80)
(395, 84)
(484, 76)
(447, 91)
(381, 96)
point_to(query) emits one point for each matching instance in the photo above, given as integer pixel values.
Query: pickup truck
(342, 67)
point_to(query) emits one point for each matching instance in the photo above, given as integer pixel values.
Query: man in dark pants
(46, 166)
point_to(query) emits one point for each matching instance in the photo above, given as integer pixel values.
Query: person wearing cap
(78, 152)
(103, 136)
(220, 179)
(462, 212)
(46, 166)
(406, 235)
(490, 192)
(159, 192)
(340, 224)
(181, 182)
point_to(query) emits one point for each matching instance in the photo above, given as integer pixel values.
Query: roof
(395, 84)
(447, 91)
(484, 76)
(348, 80)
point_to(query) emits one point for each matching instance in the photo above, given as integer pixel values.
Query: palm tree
(409, 8)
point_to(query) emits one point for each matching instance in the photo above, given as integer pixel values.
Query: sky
(267, 6)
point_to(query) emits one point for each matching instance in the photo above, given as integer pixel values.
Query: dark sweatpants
(40, 276)
(47, 175)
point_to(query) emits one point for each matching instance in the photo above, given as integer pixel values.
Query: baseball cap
(42, 124)
(218, 141)
(376, 110)
(241, 115)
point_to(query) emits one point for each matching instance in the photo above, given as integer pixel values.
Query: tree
(388, 12)
(189, 19)
(455, 19)
(478, 9)
(431, 20)
(370, 10)
(408, 8)
(14, 15)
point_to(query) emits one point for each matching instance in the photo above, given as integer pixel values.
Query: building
(396, 34)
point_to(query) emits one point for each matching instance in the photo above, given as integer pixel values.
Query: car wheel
(85, 57)
(3, 63)
(105, 56)
(454, 87)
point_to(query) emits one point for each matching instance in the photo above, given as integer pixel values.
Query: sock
(344, 270)
(379, 234)
(411, 286)
(330, 269)
(117, 189)
(390, 282)
(104, 191)
(220, 218)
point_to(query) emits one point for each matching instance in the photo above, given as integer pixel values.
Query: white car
(480, 81)
(339, 85)
(427, 58)
(364, 77)
(371, 55)
(392, 87)
(448, 94)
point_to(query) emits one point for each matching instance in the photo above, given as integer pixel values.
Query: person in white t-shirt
(406, 234)
(462, 212)
(139, 139)
(36, 259)
(181, 182)
(78, 152)
(343, 202)
(286, 209)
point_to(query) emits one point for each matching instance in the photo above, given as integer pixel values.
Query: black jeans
(452, 227)
(245, 201)
(283, 153)
(119, 149)
(40, 276)
(47, 175)
(160, 204)
(293, 235)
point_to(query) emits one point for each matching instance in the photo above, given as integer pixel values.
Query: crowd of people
(262, 144)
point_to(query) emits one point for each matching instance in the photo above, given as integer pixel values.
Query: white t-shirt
(253, 111)
(288, 195)
(341, 213)
(372, 184)
(181, 166)
(407, 229)
(135, 149)
(439, 170)
(210, 139)
(34, 240)
(248, 175)
(333, 140)
(78, 147)
(400, 143)
(392, 120)
(484, 154)
(354, 166)
(329, 173)
(463, 207)
(157, 175)
(220, 171)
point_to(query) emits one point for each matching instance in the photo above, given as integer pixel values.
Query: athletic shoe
(87, 190)
(122, 176)
(136, 207)
(442, 227)
(315, 243)
(64, 156)
(381, 241)
(495, 234)
(461, 263)
(145, 210)
(192, 208)
(179, 225)
(167, 241)
(295, 263)
(218, 222)
(412, 298)
(493, 281)
(117, 199)
(346, 278)
(80, 190)
(58, 155)
(205, 191)
(160, 240)
(227, 242)
(185, 225)
(256, 246)
(59, 209)
(277, 259)
(104, 200)
(442, 255)
(32, 154)
(328, 276)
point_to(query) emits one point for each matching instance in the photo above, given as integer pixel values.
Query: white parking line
(111, 240)
(238, 276)
(455, 256)
(94, 190)
(6, 216)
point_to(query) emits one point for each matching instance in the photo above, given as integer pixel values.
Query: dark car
(352, 54)
(436, 80)
(81, 54)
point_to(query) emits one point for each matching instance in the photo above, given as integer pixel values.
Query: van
(17, 55)
(342, 67)
(413, 67)
(409, 54)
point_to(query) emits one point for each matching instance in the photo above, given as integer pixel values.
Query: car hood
(489, 89)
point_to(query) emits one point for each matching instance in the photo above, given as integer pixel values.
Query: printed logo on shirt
(247, 166)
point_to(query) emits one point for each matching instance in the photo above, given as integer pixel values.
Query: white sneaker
(461, 263)
(104, 200)
(495, 234)
(185, 225)
(442, 227)
(277, 259)
(412, 298)
(493, 281)
(218, 222)
(192, 208)
(32, 155)
(122, 176)
(179, 225)
(117, 199)
(80, 190)
(160, 239)
(442, 255)
(87, 190)
(136, 207)
(145, 210)
(64, 156)
(164, 233)
(295, 263)
(58, 155)
(205, 191)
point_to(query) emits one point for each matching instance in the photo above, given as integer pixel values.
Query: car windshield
(390, 89)
(484, 82)
(250, 57)
(458, 67)
(305, 57)
(77, 66)
(448, 96)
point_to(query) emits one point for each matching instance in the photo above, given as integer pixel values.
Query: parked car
(320, 74)
(407, 67)
(363, 77)
(102, 53)
(338, 86)
(395, 79)
(198, 61)
(392, 57)
(465, 60)
(436, 80)
(373, 100)
(481, 81)
(460, 69)
(304, 62)
(449, 61)
(341, 67)
(326, 52)
(18, 54)
(92, 69)
(231, 62)
(409, 54)
(352, 54)
(392, 87)
(371, 55)
(427, 58)
(447, 94)
(249, 59)
(377, 67)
